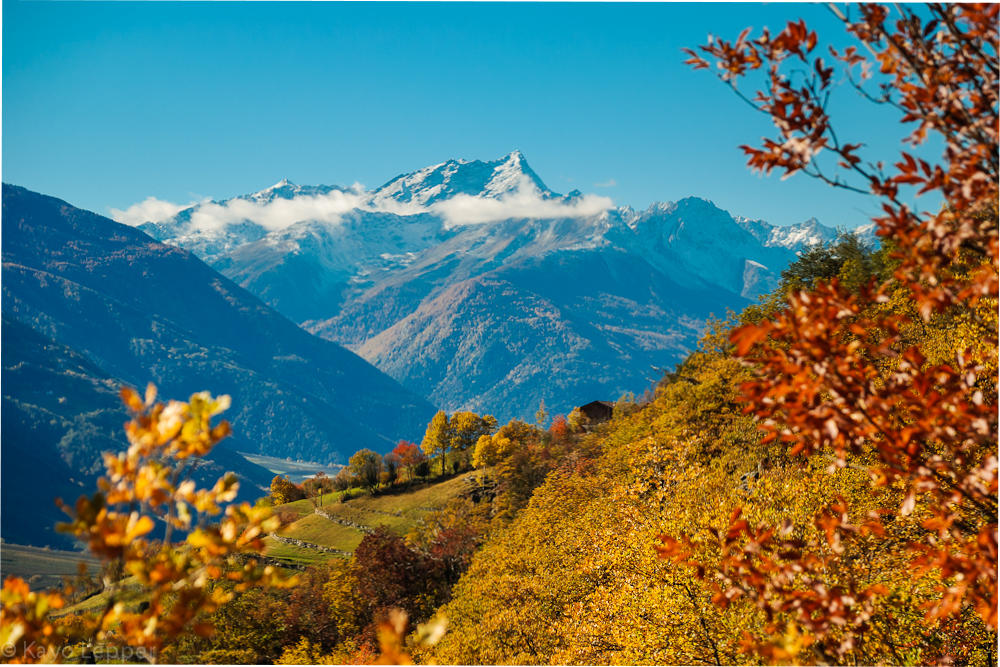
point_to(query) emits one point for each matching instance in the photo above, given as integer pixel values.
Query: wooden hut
(597, 411)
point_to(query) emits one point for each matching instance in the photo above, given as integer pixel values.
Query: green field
(320, 530)
(398, 512)
(42, 568)
(131, 594)
(305, 506)
(294, 554)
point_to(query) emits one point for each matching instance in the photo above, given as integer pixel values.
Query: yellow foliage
(575, 579)
(491, 449)
(305, 653)
(27, 632)
(144, 487)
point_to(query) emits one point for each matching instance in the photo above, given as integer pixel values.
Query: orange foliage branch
(835, 371)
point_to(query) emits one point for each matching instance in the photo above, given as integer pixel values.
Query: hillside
(142, 311)
(672, 533)
(598, 569)
(59, 413)
(342, 525)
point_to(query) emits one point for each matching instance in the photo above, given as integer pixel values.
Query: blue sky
(105, 104)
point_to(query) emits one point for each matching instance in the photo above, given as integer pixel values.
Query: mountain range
(90, 304)
(466, 285)
(473, 284)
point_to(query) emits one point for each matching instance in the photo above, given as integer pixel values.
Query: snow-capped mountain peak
(282, 186)
(285, 189)
(796, 237)
(513, 174)
(493, 179)
(805, 234)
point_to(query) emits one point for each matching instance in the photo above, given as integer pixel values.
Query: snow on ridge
(452, 178)
(511, 175)
(799, 236)
(459, 192)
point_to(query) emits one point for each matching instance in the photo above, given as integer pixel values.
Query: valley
(712, 386)
(469, 283)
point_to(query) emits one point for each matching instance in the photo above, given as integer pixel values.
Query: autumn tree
(576, 420)
(390, 574)
(366, 467)
(559, 429)
(283, 490)
(491, 449)
(541, 415)
(409, 456)
(438, 438)
(390, 468)
(513, 436)
(625, 405)
(523, 461)
(309, 613)
(316, 487)
(845, 374)
(467, 428)
(344, 479)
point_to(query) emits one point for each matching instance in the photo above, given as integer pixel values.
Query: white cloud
(610, 183)
(150, 209)
(278, 213)
(394, 207)
(523, 203)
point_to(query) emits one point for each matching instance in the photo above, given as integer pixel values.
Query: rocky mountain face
(132, 310)
(475, 285)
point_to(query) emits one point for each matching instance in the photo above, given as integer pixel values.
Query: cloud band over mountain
(149, 209)
(466, 210)
(279, 213)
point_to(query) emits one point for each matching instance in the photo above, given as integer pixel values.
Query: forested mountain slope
(60, 412)
(142, 311)
(636, 555)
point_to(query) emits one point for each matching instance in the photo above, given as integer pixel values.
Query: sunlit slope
(341, 526)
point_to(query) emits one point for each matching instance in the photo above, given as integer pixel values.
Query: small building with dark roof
(598, 411)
